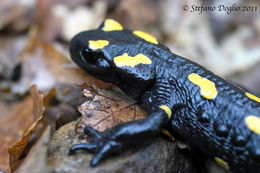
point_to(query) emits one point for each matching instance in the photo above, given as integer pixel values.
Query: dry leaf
(13, 126)
(36, 159)
(17, 128)
(17, 149)
(104, 109)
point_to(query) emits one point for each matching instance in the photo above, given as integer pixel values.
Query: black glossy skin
(213, 126)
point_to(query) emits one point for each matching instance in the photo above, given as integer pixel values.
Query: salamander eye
(91, 56)
(94, 57)
(102, 63)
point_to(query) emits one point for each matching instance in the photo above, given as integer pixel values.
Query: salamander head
(116, 55)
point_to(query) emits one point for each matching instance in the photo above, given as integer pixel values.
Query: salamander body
(212, 115)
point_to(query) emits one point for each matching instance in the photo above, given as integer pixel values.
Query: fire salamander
(210, 114)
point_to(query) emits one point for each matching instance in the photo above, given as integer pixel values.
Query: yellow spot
(167, 110)
(146, 37)
(222, 162)
(125, 60)
(253, 123)
(98, 44)
(112, 25)
(251, 96)
(207, 87)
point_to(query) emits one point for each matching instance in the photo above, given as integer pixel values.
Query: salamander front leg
(122, 136)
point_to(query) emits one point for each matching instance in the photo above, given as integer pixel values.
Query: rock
(160, 155)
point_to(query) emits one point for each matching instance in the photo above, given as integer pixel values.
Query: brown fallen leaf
(17, 149)
(13, 125)
(36, 159)
(17, 127)
(104, 109)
